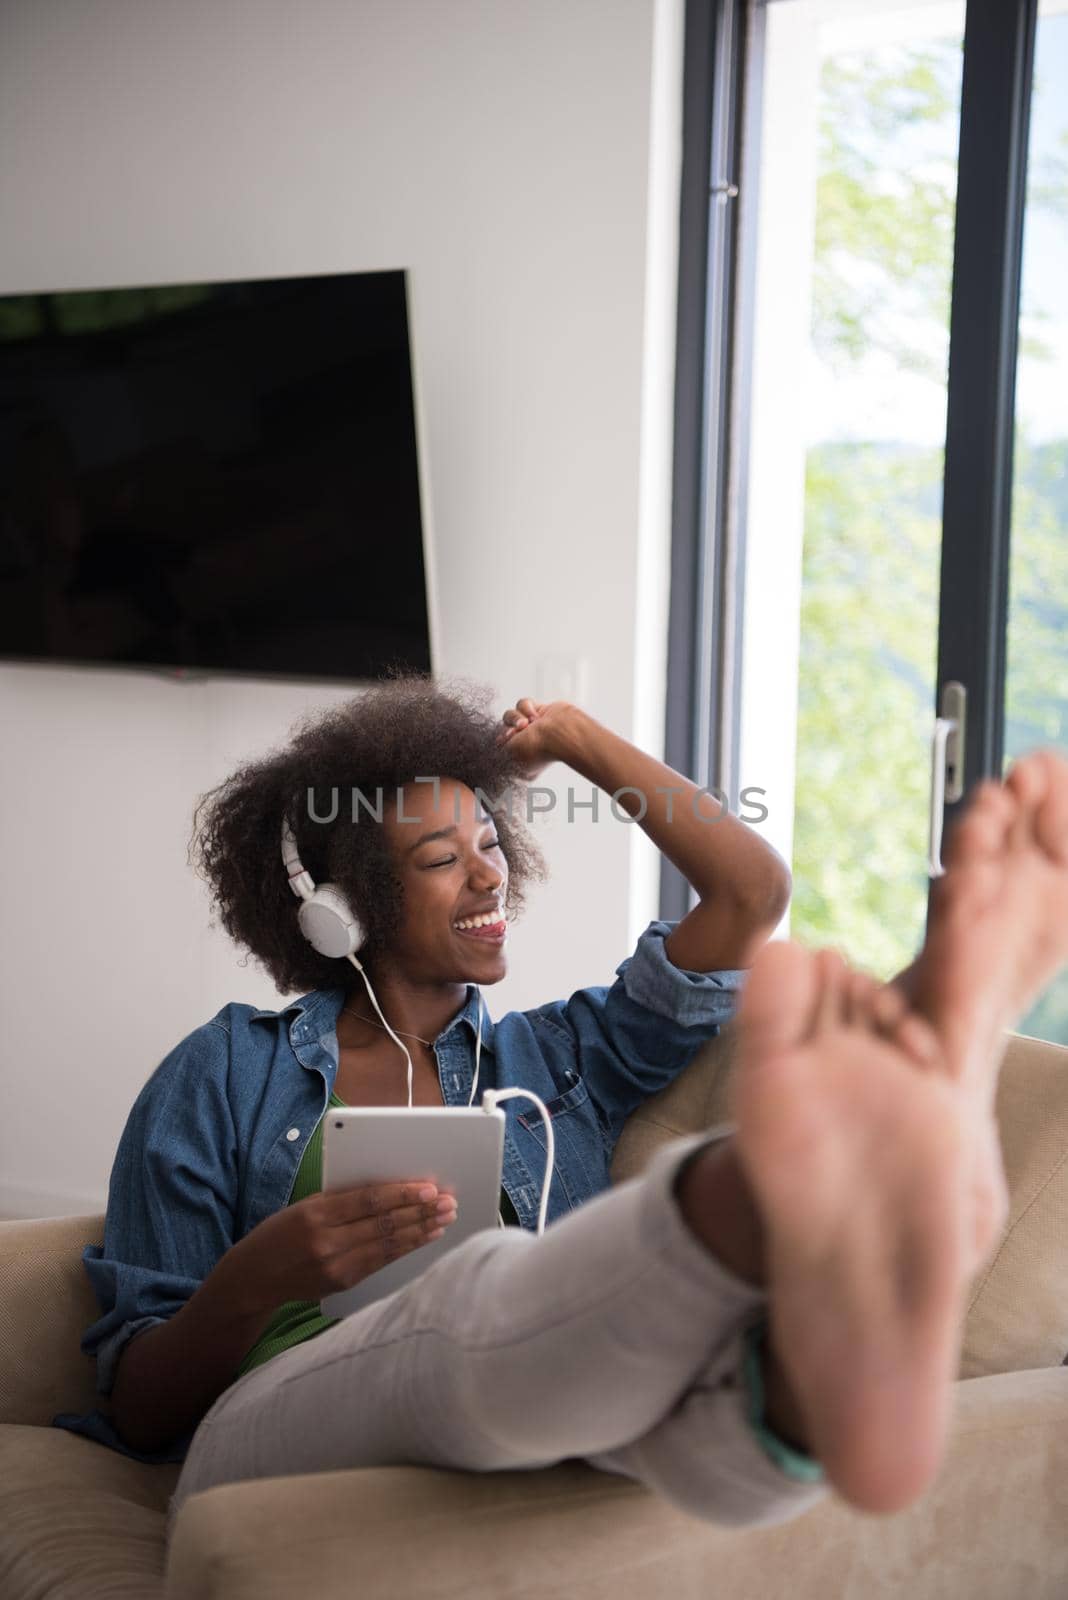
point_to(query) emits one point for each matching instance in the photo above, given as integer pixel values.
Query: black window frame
(999, 49)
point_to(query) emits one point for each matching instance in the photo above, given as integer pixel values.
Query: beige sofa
(81, 1522)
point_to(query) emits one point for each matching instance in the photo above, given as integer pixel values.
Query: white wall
(520, 159)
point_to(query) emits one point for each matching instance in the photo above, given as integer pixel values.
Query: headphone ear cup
(329, 923)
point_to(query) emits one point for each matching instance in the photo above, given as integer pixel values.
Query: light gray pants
(615, 1337)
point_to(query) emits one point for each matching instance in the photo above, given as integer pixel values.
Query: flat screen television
(218, 477)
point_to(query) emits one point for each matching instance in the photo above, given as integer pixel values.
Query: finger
(371, 1257)
(379, 1238)
(527, 707)
(383, 1248)
(399, 1224)
(372, 1199)
(428, 1213)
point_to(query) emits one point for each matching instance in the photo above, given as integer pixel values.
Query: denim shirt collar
(314, 1019)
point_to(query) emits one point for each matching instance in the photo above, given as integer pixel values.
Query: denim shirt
(212, 1144)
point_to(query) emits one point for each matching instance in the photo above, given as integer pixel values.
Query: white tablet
(458, 1148)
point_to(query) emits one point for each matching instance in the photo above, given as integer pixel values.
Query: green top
(298, 1320)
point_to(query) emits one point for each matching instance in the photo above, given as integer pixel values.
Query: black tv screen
(213, 476)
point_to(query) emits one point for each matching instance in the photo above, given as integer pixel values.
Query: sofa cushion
(1018, 1314)
(77, 1521)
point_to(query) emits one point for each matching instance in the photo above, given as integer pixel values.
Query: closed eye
(446, 861)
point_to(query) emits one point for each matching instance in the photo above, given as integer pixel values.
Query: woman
(219, 1244)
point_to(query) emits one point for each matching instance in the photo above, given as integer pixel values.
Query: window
(856, 190)
(863, 531)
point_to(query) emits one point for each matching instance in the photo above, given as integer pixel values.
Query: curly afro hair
(406, 727)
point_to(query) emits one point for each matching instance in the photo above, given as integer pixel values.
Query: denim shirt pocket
(579, 1157)
(532, 1120)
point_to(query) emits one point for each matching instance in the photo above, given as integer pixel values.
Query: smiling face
(446, 853)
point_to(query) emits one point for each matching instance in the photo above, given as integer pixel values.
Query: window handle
(947, 768)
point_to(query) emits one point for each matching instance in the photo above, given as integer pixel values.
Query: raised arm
(742, 883)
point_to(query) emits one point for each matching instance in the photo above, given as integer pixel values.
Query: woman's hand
(535, 732)
(330, 1242)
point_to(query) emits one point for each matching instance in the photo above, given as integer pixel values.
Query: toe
(983, 830)
(1051, 816)
(780, 996)
(861, 990)
(832, 1005)
(1028, 781)
(888, 1005)
(918, 1039)
(1027, 777)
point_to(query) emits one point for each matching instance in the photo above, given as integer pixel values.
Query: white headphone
(326, 919)
(330, 926)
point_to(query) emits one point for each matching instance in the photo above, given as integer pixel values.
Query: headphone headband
(326, 918)
(300, 880)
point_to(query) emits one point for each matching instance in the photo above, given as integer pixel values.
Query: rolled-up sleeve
(172, 1199)
(635, 1036)
(692, 1000)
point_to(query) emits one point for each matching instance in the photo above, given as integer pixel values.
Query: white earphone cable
(489, 1103)
(385, 1024)
(478, 1047)
(407, 1056)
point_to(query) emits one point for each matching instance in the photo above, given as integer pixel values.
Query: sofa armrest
(46, 1304)
(989, 1527)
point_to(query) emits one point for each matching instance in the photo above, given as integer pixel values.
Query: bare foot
(867, 1139)
(1001, 911)
(857, 1143)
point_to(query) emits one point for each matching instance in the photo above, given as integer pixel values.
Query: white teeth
(485, 920)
